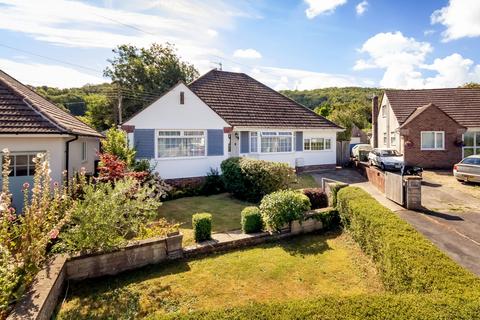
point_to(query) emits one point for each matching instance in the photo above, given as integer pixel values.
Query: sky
(286, 44)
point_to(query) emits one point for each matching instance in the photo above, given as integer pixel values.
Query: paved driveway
(451, 219)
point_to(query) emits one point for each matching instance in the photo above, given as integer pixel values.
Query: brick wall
(432, 119)
(374, 175)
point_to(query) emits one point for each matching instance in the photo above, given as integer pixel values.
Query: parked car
(386, 159)
(468, 170)
(361, 151)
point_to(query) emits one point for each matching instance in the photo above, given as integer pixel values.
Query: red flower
(54, 234)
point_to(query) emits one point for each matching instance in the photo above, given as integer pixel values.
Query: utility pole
(120, 99)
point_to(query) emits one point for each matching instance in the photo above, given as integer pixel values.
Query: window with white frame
(433, 140)
(253, 142)
(180, 143)
(384, 111)
(276, 141)
(393, 139)
(21, 164)
(316, 144)
(471, 143)
(385, 139)
(84, 150)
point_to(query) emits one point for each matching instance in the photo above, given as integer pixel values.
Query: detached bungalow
(30, 124)
(194, 127)
(433, 128)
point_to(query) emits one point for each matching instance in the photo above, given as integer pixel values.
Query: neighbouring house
(30, 124)
(433, 128)
(194, 127)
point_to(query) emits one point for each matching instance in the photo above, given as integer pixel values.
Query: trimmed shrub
(318, 198)
(213, 183)
(282, 207)
(250, 179)
(406, 260)
(251, 220)
(334, 188)
(329, 217)
(202, 226)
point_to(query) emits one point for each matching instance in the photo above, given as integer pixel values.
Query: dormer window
(182, 97)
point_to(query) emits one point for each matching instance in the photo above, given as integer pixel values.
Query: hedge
(422, 282)
(202, 226)
(251, 179)
(318, 198)
(251, 220)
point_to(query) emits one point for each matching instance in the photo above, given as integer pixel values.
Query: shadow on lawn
(311, 244)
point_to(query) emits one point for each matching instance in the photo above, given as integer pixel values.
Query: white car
(360, 151)
(468, 169)
(386, 159)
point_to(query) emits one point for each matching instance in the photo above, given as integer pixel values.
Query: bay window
(181, 143)
(276, 141)
(433, 140)
(317, 144)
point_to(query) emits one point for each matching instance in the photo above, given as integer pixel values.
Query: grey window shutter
(244, 142)
(214, 142)
(144, 142)
(299, 141)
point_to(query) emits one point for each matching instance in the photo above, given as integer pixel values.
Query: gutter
(67, 154)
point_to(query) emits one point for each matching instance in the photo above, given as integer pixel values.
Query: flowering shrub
(113, 168)
(116, 143)
(107, 216)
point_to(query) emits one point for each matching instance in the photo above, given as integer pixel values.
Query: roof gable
(24, 111)
(420, 110)
(243, 101)
(460, 104)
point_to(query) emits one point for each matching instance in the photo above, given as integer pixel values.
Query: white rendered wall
(388, 124)
(75, 162)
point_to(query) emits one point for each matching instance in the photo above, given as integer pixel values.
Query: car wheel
(382, 166)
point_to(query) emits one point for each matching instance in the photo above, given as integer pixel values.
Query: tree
(99, 112)
(471, 85)
(116, 144)
(144, 73)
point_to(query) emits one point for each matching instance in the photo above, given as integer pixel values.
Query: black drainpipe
(67, 153)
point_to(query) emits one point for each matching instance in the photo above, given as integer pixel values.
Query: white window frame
(182, 135)
(253, 135)
(13, 166)
(276, 134)
(384, 111)
(435, 148)
(385, 138)
(84, 151)
(393, 139)
(308, 140)
(475, 147)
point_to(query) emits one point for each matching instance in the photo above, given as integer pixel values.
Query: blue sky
(286, 44)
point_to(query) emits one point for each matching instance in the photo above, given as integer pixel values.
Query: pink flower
(11, 217)
(26, 185)
(56, 184)
(54, 234)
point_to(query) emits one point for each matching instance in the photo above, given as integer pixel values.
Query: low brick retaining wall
(374, 175)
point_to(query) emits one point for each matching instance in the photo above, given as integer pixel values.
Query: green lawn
(305, 180)
(304, 267)
(224, 208)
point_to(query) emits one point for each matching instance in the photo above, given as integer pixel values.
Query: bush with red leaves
(112, 169)
(318, 198)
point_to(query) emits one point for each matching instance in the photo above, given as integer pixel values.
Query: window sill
(424, 149)
(180, 158)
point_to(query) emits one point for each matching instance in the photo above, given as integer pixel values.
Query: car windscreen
(389, 153)
(475, 161)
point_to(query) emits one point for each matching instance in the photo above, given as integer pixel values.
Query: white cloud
(460, 17)
(247, 54)
(191, 26)
(361, 8)
(428, 32)
(317, 7)
(404, 62)
(37, 74)
(285, 78)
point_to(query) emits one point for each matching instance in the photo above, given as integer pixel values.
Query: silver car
(468, 169)
(386, 159)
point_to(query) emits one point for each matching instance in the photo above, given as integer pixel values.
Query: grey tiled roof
(24, 111)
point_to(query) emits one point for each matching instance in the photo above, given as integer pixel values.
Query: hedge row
(406, 260)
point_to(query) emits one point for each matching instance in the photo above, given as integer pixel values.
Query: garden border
(41, 300)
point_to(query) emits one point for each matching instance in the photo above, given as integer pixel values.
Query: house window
(276, 141)
(384, 111)
(181, 143)
(253, 142)
(393, 139)
(433, 140)
(21, 164)
(385, 140)
(471, 143)
(84, 150)
(316, 144)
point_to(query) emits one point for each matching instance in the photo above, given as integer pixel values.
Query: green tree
(116, 143)
(143, 73)
(471, 85)
(99, 112)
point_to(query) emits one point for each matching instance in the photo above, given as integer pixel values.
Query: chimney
(375, 121)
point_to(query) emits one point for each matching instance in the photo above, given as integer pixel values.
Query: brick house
(432, 128)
